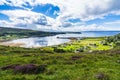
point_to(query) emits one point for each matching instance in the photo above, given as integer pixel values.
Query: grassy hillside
(98, 65)
(53, 63)
(87, 59)
(12, 33)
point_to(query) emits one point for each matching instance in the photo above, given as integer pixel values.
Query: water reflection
(53, 40)
(91, 34)
(38, 41)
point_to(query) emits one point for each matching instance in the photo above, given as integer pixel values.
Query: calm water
(53, 40)
(92, 34)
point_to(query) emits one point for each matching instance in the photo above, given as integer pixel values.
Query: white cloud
(6, 23)
(85, 10)
(113, 25)
(92, 27)
(114, 22)
(27, 19)
(88, 9)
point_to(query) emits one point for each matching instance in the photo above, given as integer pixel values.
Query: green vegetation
(87, 59)
(90, 44)
(113, 40)
(98, 65)
(87, 44)
(13, 33)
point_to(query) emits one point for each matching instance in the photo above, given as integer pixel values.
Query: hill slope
(13, 33)
(24, 32)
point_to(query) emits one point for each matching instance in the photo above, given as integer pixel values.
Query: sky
(62, 15)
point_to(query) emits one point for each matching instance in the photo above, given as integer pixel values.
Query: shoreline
(78, 38)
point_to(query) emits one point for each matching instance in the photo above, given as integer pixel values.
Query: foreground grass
(102, 63)
(62, 66)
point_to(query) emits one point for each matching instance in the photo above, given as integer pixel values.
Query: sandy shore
(11, 44)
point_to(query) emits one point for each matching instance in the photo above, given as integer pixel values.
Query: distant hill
(25, 32)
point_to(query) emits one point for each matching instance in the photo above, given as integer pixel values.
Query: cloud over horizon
(65, 15)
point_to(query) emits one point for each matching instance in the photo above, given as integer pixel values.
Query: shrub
(59, 50)
(80, 49)
(30, 69)
(117, 43)
(47, 50)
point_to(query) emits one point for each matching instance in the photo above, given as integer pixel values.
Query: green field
(95, 65)
(61, 66)
(86, 59)
(87, 44)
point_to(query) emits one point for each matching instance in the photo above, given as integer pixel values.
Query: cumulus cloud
(113, 25)
(24, 18)
(88, 9)
(85, 10)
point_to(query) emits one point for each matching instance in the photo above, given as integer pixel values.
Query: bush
(117, 43)
(59, 50)
(80, 49)
(47, 50)
(30, 69)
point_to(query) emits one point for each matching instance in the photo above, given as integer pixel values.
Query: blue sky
(65, 15)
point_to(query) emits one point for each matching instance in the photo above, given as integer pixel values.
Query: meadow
(98, 65)
(86, 59)
(48, 63)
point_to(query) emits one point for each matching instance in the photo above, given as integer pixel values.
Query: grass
(64, 66)
(87, 44)
(103, 63)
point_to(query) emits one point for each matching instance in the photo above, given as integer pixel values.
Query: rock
(101, 76)
(90, 51)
